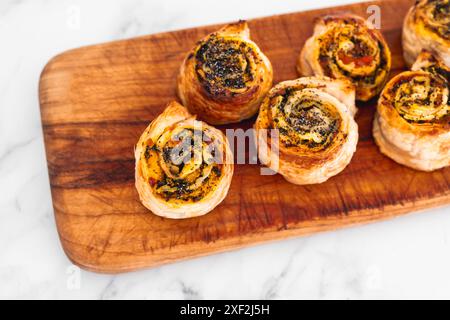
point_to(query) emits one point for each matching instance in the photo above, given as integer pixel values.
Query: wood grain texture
(96, 101)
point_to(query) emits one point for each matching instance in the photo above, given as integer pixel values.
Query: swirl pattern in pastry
(225, 77)
(412, 123)
(183, 166)
(427, 26)
(316, 132)
(346, 46)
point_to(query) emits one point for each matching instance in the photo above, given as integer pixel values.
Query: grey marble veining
(405, 258)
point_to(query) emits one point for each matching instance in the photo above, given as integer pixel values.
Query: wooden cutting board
(96, 101)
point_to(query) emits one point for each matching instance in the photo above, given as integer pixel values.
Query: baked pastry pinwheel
(427, 26)
(184, 167)
(225, 77)
(305, 131)
(347, 46)
(412, 123)
(430, 62)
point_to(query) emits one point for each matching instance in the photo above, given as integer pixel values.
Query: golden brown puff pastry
(346, 46)
(427, 26)
(427, 61)
(317, 134)
(183, 166)
(225, 77)
(412, 123)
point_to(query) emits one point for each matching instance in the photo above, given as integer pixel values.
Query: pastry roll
(412, 123)
(346, 46)
(183, 166)
(427, 61)
(315, 132)
(427, 26)
(225, 77)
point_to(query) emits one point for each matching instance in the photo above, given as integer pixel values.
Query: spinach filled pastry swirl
(184, 167)
(427, 26)
(314, 128)
(412, 123)
(346, 46)
(225, 77)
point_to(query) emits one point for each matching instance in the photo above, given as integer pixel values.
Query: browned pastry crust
(225, 77)
(347, 46)
(427, 26)
(317, 134)
(412, 123)
(184, 167)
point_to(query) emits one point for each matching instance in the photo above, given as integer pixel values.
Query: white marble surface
(405, 258)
